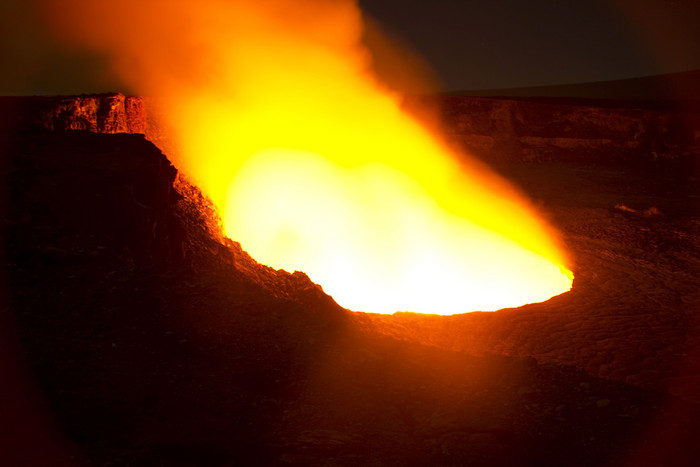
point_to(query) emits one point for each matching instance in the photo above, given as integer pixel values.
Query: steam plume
(279, 118)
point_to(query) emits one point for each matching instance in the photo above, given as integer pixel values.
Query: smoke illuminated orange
(311, 160)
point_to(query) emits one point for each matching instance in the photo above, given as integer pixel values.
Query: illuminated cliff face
(311, 161)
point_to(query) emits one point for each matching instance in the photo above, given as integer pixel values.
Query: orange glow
(312, 162)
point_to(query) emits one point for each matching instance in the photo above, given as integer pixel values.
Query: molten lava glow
(311, 160)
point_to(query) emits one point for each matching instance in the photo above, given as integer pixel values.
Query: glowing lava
(313, 163)
(377, 240)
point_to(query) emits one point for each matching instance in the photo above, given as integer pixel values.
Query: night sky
(482, 44)
(477, 44)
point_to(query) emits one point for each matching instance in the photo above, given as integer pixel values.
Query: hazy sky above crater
(481, 44)
(471, 44)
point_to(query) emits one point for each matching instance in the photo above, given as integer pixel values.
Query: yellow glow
(377, 240)
(314, 165)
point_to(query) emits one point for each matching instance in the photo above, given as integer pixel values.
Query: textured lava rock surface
(153, 340)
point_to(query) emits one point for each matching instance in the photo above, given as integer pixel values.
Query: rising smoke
(278, 115)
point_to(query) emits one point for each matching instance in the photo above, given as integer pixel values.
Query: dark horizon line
(657, 86)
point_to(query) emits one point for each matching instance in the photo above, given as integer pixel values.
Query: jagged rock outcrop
(101, 113)
(496, 129)
(581, 131)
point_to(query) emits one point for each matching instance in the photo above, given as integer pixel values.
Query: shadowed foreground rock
(155, 341)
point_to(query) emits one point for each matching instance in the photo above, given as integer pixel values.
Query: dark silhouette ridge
(668, 87)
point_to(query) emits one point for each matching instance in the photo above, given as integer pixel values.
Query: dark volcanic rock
(103, 113)
(128, 301)
(589, 131)
(156, 341)
(583, 131)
